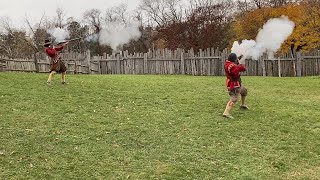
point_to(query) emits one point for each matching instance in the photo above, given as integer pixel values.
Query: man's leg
(63, 77)
(51, 76)
(243, 99)
(244, 93)
(228, 109)
(233, 99)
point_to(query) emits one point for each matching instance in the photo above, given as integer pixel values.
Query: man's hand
(240, 60)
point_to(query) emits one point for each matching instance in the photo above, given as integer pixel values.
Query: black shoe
(244, 107)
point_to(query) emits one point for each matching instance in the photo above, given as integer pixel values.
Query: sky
(18, 10)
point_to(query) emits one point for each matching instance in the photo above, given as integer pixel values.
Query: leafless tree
(60, 18)
(272, 3)
(117, 14)
(94, 19)
(243, 6)
(163, 12)
(39, 32)
(14, 42)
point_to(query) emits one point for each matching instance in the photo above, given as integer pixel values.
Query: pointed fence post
(118, 64)
(88, 58)
(182, 62)
(279, 66)
(145, 63)
(36, 63)
(224, 56)
(299, 64)
(262, 66)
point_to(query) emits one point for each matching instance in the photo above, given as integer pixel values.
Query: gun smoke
(269, 39)
(117, 34)
(92, 38)
(59, 34)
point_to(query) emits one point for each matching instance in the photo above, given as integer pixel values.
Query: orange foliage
(306, 34)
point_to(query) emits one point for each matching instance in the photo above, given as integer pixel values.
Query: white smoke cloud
(118, 34)
(59, 34)
(92, 38)
(269, 39)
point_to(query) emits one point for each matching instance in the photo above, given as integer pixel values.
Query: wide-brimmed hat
(232, 57)
(47, 43)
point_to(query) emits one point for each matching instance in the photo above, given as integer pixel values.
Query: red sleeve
(59, 48)
(234, 70)
(51, 52)
(242, 67)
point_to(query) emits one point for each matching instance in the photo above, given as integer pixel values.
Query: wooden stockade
(208, 62)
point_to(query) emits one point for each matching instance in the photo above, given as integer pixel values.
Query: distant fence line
(208, 62)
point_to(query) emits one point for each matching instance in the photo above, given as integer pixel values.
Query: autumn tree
(206, 24)
(305, 16)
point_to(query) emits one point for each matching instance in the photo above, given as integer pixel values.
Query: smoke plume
(59, 34)
(269, 39)
(118, 34)
(92, 38)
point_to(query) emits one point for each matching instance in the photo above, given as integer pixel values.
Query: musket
(70, 40)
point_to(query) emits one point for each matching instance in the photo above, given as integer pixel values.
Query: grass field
(157, 127)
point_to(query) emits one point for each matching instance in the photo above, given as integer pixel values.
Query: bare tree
(39, 33)
(117, 14)
(272, 3)
(163, 12)
(60, 18)
(14, 43)
(93, 18)
(244, 6)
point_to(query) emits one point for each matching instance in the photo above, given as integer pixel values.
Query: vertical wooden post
(145, 63)
(36, 62)
(262, 66)
(182, 62)
(299, 63)
(224, 56)
(264, 73)
(279, 67)
(294, 56)
(118, 64)
(99, 64)
(88, 58)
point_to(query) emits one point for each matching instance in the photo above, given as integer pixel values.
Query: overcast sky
(17, 10)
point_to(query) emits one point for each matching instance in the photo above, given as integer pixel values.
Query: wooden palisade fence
(207, 62)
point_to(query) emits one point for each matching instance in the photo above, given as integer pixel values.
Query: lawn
(157, 127)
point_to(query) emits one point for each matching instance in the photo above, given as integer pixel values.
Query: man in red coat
(57, 65)
(233, 69)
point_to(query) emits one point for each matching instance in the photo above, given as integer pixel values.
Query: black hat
(47, 43)
(232, 57)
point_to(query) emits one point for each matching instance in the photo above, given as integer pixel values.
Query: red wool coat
(233, 74)
(53, 53)
(57, 65)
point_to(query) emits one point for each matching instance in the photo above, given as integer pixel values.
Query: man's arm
(60, 47)
(50, 52)
(242, 67)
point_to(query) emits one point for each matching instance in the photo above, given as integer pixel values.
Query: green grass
(157, 127)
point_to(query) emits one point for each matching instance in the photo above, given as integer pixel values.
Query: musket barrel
(74, 39)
